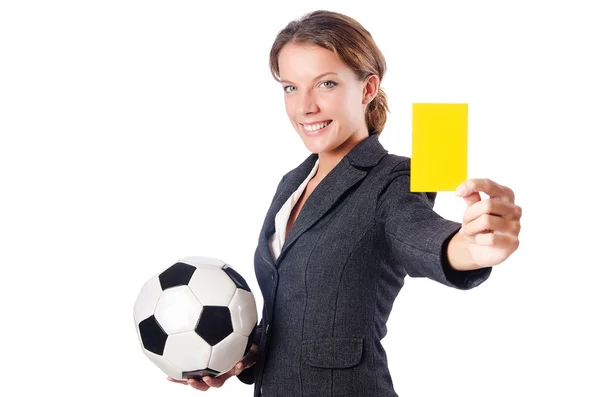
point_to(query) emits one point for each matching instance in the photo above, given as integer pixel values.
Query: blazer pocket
(332, 352)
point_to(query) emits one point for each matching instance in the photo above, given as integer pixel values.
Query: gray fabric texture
(329, 294)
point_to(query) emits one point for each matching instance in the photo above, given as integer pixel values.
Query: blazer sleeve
(418, 237)
(247, 375)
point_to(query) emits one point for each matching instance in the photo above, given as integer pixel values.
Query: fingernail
(460, 190)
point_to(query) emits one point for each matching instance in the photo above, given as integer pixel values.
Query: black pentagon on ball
(236, 278)
(176, 275)
(199, 374)
(153, 336)
(214, 324)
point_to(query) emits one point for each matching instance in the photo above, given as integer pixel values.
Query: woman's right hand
(208, 381)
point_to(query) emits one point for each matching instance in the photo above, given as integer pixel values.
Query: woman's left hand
(491, 226)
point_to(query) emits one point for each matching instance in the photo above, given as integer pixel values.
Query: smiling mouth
(316, 127)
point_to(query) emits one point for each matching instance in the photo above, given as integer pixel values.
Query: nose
(307, 103)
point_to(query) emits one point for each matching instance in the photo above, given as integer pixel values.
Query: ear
(371, 88)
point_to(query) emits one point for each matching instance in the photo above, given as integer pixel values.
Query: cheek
(352, 110)
(337, 107)
(289, 108)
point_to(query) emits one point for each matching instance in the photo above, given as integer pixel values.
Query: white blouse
(281, 219)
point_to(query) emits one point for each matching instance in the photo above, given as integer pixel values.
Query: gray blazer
(329, 294)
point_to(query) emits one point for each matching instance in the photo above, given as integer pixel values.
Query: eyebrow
(316, 78)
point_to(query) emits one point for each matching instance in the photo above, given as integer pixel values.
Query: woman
(343, 229)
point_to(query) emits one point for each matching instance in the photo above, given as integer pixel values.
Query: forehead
(302, 63)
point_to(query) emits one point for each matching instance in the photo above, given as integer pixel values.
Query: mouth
(315, 129)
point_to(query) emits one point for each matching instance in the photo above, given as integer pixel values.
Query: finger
(487, 186)
(487, 223)
(492, 207)
(498, 240)
(196, 384)
(470, 239)
(249, 359)
(216, 382)
(239, 367)
(177, 380)
(472, 198)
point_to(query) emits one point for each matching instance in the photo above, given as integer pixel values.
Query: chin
(313, 148)
(318, 149)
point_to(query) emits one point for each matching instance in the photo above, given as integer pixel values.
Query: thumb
(250, 357)
(472, 198)
(239, 367)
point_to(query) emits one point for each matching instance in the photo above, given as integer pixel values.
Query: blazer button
(272, 276)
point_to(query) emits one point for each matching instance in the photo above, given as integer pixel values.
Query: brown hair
(353, 45)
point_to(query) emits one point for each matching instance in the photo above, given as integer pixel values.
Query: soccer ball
(196, 318)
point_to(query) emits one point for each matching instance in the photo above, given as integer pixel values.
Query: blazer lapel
(347, 173)
(291, 184)
(341, 178)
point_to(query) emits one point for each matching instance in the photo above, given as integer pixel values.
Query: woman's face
(319, 87)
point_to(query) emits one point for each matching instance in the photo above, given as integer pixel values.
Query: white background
(134, 133)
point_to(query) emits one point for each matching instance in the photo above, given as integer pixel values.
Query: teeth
(315, 127)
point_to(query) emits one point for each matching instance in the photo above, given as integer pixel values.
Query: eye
(332, 82)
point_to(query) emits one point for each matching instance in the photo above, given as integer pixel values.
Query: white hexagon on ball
(243, 312)
(146, 301)
(177, 310)
(212, 286)
(187, 351)
(228, 352)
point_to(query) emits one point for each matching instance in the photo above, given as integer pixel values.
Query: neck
(328, 160)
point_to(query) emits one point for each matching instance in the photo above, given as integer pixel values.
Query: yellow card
(439, 146)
